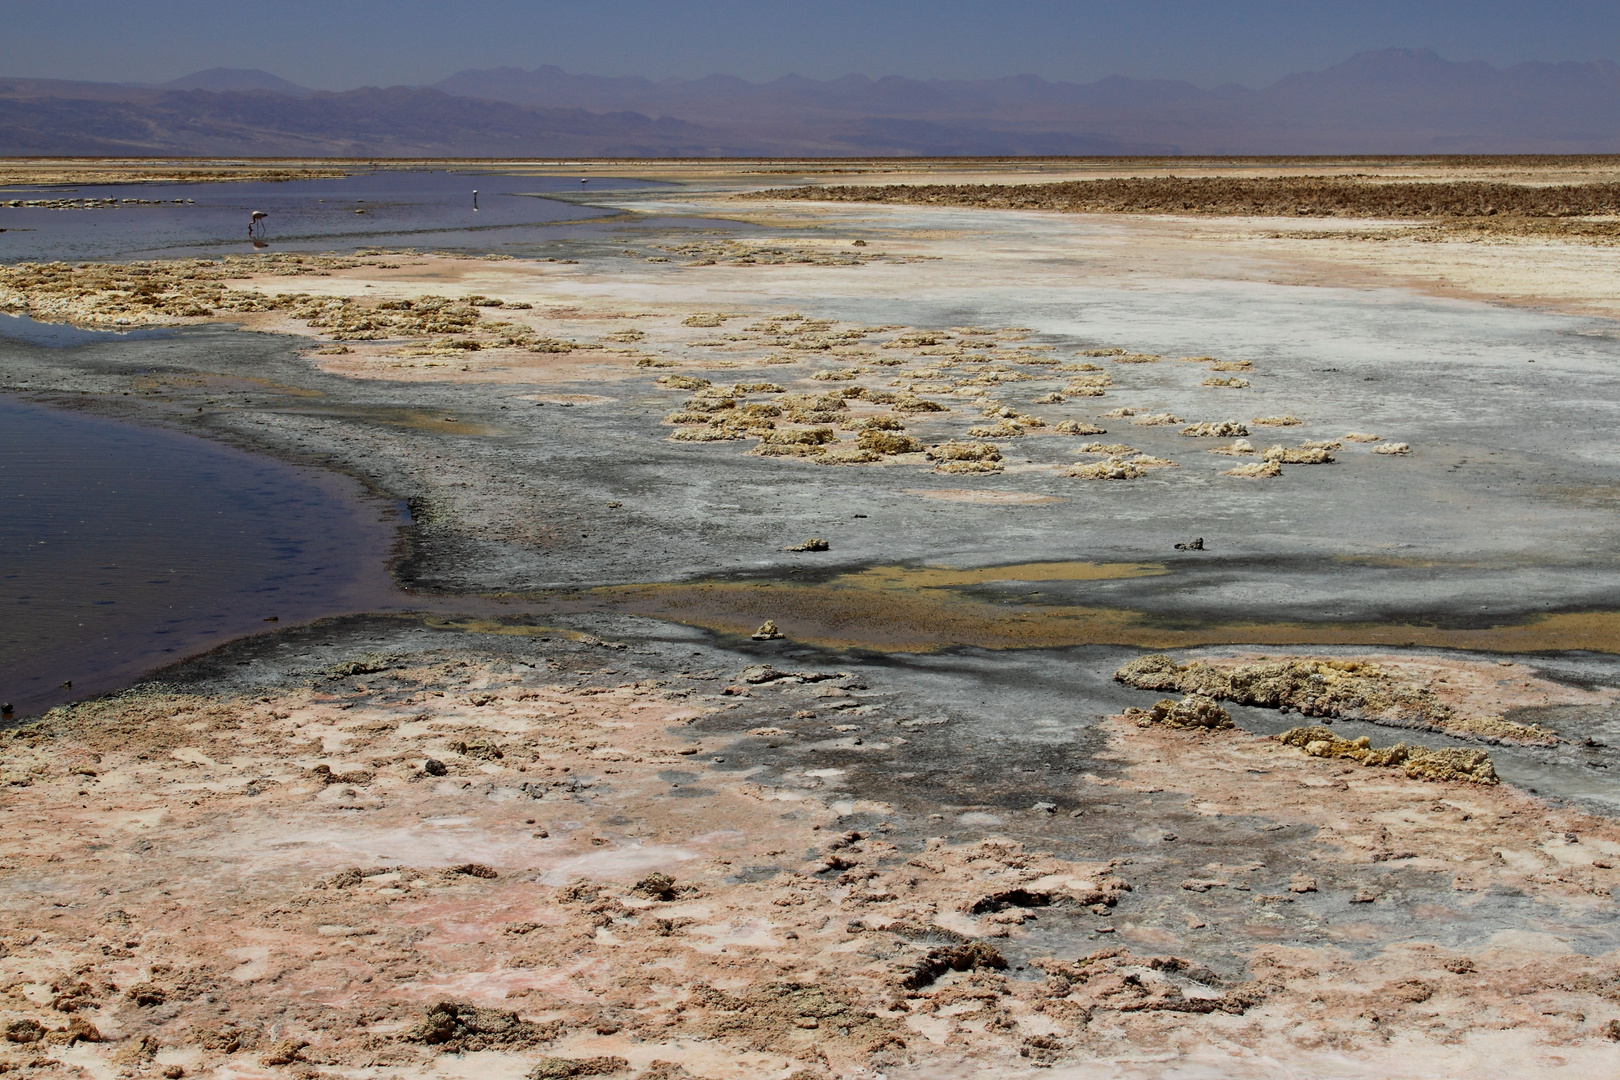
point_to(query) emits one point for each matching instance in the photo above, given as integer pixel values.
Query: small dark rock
(656, 886)
(146, 994)
(472, 869)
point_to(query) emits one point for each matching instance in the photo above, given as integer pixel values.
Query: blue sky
(339, 44)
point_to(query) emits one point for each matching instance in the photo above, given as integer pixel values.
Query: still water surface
(123, 548)
(400, 209)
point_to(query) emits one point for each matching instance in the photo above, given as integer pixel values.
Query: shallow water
(123, 548)
(415, 209)
(66, 336)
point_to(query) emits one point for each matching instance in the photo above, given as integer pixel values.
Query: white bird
(257, 217)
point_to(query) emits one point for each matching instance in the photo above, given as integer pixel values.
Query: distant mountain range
(228, 80)
(1394, 101)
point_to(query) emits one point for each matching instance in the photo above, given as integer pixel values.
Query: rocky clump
(1193, 712)
(975, 955)
(456, 1027)
(1419, 762)
(1332, 688)
(658, 886)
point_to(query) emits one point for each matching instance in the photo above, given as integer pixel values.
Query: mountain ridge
(1394, 101)
(227, 80)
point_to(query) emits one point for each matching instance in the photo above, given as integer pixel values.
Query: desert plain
(871, 619)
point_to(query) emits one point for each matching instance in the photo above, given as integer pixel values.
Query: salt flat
(918, 833)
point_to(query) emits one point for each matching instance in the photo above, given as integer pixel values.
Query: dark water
(402, 209)
(123, 548)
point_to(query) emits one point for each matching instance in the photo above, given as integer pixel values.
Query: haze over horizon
(356, 43)
(1389, 101)
(720, 78)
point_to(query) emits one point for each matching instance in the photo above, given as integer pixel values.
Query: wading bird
(257, 221)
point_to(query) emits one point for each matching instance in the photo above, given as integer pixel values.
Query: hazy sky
(339, 44)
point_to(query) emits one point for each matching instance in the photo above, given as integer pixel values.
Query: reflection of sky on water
(401, 209)
(65, 335)
(123, 548)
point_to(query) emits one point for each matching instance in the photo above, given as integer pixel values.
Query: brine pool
(124, 547)
(410, 208)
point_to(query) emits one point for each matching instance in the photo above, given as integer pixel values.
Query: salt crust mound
(1333, 688)
(1001, 429)
(1192, 712)
(1255, 470)
(1218, 429)
(1419, 762)
(887, 442)
(1298, 455)
(969, 451)
(1118, 468)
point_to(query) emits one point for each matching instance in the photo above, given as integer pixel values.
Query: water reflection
(123, 548)
(405, 209)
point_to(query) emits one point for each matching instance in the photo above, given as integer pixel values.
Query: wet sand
(918, 834)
